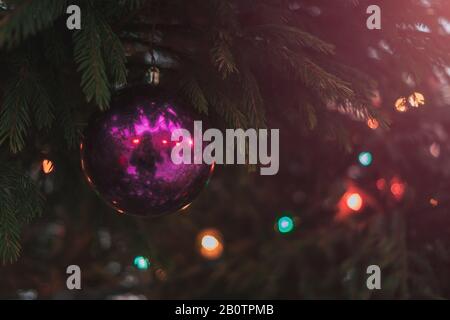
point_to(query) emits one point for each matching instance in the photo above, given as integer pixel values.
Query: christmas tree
(364, 148)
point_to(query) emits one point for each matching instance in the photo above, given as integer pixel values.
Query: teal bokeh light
(285, 224)
(365, 158)
(141, 263)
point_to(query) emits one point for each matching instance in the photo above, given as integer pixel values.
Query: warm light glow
(416, 100)
(47, 166)
(164, 141)
(398, 188)
(354, 201)
(136, 141)
(401, 104)
(435, 150)
(210, 244)
(434, 202)
(373, 124)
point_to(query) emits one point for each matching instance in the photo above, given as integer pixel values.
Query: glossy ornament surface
(126, 154)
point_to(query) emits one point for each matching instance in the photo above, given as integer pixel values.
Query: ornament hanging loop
(153, 74)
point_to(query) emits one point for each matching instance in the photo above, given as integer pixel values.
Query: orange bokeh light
(373, 124)
(354, 201)
(47, 166)
(210, 244)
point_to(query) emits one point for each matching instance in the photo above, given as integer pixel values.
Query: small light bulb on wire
(210, 244)
(141, 262)
(47, 166)
(285, 224)
(365, 158)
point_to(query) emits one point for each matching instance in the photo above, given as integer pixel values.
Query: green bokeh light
(141, 263)
(285, 224)
(365, 158)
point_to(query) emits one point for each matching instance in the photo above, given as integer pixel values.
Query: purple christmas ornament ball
(126, 154)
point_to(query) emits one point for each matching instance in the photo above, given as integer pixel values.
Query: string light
(365, 158)
(416, 99)
(210, 243)
(47, 166)
(434, 202)
(435, 150)
(354, 201)
(136, 141)
(373, 124)
(401, 104)
(398, 188)
(142, 263)
(285, 224)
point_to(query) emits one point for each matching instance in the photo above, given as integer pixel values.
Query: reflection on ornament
(126, 154)
(354, 201)
(435, 150)
(142, 263)
(285, 224)
(47, 166)
(401, 104)
(434, 202)
(185, 207)
(398, 188)
(365, 158)
(210, 243)
(373, 123)
(416, 99)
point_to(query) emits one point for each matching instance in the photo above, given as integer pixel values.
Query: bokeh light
(141, 262)
(401, 104)
(285, 224)
(365, 158)
(47, 166)
(416, 99)
(381, 184)
(435, 150)
(354, 201)
(434, 202)
(210, 244)
(373, 123)
(398, 188)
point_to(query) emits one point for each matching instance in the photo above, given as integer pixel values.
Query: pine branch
(221, 54)
(42, 106)
(27, 18)
(20, 202)
(192, 90)
(288, 36)
(89, 57)
(253, 99)
(15, 115)
(114, 54)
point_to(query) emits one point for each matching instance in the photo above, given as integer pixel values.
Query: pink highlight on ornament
(131, 170)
